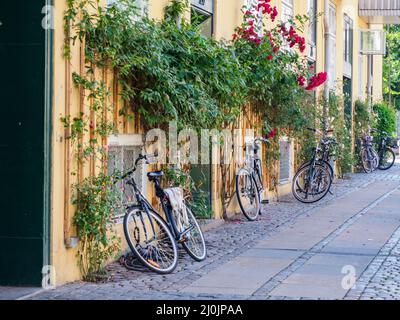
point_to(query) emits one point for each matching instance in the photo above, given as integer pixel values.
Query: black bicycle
(387, 157)
(249, 182)
(314, 178)
(369, 156)
(153, 239)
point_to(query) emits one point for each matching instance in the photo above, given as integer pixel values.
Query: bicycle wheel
(193, 240)
(377, 159)
(151, 241)
(367, 161)
(387, 160)
(310, 186)
(247, 194)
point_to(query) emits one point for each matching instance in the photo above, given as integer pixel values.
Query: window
(287, 10)
(332, 40)
(202, 16)
(348, 46)
(348, 39)
(122, 152)
(312, 38)
(142, 6)
(285, 147)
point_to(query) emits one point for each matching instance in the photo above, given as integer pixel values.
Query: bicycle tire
(148, 262)
(203, 255)
(253, 190)
(367, 169)
(393, 160)
(322, 194)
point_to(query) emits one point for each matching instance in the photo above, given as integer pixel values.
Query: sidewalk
(295, 251)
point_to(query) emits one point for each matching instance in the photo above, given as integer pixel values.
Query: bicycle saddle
(155, 174)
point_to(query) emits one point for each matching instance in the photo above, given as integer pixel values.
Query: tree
(391, 66)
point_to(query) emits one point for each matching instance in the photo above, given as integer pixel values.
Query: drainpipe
(327, 60)
(369, 79)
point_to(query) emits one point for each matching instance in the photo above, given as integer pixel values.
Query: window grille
(285, 159)
(122, 153)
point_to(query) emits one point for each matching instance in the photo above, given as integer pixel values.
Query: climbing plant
(169, 72)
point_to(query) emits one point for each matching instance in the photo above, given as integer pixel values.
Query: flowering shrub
(277, 75)
(317, 80)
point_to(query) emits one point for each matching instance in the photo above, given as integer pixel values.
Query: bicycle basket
(393, 142)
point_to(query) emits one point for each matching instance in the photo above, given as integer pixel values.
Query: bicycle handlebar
(261, 139)
(319, 131)
(140, 158)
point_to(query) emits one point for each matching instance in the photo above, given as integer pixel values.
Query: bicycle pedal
(266, 201)
(153, 263)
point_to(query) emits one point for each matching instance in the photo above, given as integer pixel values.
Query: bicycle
(386, 155)
(313, 180)
(369, 156)
(249, 182)
(153, 239)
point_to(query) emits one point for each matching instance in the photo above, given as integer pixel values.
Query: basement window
(122, 152)
(285, 147)
(202, 16)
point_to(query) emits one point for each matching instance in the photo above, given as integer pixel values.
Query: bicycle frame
(144, 205)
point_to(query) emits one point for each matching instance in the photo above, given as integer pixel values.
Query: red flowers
(272, 133)
(301, 80)
(314, 82)
(293, 38)
(270, 57)
(267, 9)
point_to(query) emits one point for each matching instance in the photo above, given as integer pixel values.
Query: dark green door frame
(48, 130)
(25, 163)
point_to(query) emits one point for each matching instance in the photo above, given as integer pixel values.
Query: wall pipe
(327, 61)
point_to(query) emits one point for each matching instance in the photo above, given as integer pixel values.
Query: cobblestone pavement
(380, 278)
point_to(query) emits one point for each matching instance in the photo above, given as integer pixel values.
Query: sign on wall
(373, 42)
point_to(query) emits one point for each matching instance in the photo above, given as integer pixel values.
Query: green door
(24, 161)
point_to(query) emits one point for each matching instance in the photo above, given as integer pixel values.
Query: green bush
(386, 118)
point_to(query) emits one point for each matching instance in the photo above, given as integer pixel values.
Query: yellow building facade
(65, 100)
(227, 15)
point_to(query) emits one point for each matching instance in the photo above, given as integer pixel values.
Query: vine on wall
(168, 72)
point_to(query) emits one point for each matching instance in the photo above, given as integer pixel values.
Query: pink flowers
(314, 82)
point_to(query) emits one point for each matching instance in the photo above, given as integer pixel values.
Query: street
(345, 247)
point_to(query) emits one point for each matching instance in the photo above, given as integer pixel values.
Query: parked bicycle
(369, 156)
(153, 239)
(314, 178)
(387, 157)
(249, 181)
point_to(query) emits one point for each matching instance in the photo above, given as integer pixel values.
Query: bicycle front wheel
(247, 195)
(151, 241)
(387, 160)
(193, 240)
(311, 184)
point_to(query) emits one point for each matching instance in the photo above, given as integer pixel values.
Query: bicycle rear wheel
(193, 240)
(311, 184)
(151, 241)
(247, 195)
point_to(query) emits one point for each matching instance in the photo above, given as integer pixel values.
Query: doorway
(25, 54)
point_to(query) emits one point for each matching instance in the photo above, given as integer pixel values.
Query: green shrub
(386, 118)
